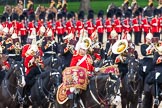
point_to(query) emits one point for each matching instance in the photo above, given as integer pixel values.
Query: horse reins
(100, 101)
(13, 96)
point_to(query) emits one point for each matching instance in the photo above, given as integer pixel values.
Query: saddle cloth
(110, 69)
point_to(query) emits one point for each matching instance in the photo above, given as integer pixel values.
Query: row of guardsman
(142, 20)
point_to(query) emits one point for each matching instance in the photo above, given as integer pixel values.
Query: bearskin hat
(59, 16)
(5, 15)
(22, 17)
(3, 18)
(91, 11)
(100, 13)
(64, 14)
(81, 15)
(145, 13)
(128, 14)
(50, 17)
(136, 13)
(42, 15)
(72, 13)
(110, 14)
(25, 14)
(118, 13)
(14, 16)
(32, 16)
(90, 16)
(156, 12)
(140, 9)
(69, 15)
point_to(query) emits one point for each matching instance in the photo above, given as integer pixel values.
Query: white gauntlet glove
(96, 69)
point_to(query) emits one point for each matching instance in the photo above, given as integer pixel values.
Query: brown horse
(40, 9)
(11, 9)
(8, 9)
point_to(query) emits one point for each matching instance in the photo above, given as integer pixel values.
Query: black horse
(101, 91)
(54, 62)
(44, 90)
(131, 90)
(9, 89)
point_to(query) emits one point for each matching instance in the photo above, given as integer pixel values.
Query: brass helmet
(120, 46)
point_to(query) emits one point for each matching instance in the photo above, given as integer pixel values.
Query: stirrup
(75, 105)
(156, 101)
(20, 100)
(139, 100)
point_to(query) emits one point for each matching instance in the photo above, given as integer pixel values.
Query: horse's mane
(44, 74)
(14, 64)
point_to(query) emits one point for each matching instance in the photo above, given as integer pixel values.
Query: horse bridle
(50, 92)
(17, 93)
(101, 101)
(133, 89)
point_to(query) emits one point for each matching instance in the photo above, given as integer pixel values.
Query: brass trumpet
(71, 48)
(17, 47)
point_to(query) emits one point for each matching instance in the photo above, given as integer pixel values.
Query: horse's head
(107, 86)
(18, 71)
(56, 79)
(54, 63)
(133, 69)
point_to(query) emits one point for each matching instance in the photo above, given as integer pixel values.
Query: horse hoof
(156, 102)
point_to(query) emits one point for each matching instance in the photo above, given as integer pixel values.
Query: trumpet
(71, 48)
(18, 48)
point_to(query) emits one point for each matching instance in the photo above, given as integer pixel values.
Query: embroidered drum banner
(75, 76)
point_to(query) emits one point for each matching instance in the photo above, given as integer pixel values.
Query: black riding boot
(75, 101)
(156, 100)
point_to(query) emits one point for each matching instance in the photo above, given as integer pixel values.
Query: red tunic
(22, 29)
(155, 25)
(126, 26)
(108, 25)
(136, 26)
(30, 27)
(79, 26)
(145, 25)
(86, 64)
(59, 27)
(90, 27)
(118, 26)
(27, 64)
(99, 26)
(69, 27)
(25, 48)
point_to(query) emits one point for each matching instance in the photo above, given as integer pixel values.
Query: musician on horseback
(157, 74)
(82, 59)
(147, 66)
(33, 64)
(120, 48)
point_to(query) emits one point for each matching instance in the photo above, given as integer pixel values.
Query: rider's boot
(156, 100)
